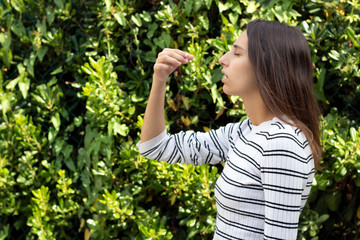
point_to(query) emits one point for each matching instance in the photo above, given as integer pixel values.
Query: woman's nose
(223, 60)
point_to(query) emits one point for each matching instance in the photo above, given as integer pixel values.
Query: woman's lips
(225, 77)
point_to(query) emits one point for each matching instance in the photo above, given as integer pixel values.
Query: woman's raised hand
(167, 61)
(154, 119)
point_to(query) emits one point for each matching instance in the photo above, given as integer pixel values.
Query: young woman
(269, 157)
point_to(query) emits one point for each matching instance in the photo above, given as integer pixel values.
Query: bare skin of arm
(166, 63)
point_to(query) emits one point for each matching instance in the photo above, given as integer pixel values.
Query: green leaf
(18, 5)
(55, 120)
(29, 63)
(293, 13)
(215, 93)
(188, 7)
(165, 38)
(24, 85)
(21, 68)
(278, 12)
(78, 121)
(6, 56)
(83, 158)
(323, 183)
(225, 22)
(216, 75)
(233, 17)
(57, 70)
(41, 53)
(352, 36)
(41, 27)
(252, 6)
(19, 29)
(120, 18)
(341, 141)
(5, 102)
(312, 233)
(323, 218)
(333, 200)
(5, 52)
(12, 84)
(90, 134)
(67, 159)
(136, 19)
(94, 64)
(305, 26)
(5, 40)
(222, 7)
(50, 15)
(192, 234)
(67, 151)
(59, 4)
(52, 135)
(353, 134)
(191, 223)
(208, 4)
(108, 4)
(121, 129)
(197, 5)
(146, 16)
(357, 180)
(334, 55)
(319, 86)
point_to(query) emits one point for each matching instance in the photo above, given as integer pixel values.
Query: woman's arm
(154, 120)
(184, 147)
(287, 171)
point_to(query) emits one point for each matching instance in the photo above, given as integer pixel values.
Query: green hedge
(74, 81)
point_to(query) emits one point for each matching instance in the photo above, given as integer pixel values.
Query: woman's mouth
(224, 78)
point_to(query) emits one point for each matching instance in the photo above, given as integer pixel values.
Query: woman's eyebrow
(238, 47)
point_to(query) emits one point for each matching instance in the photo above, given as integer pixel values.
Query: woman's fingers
(165, 58)
(177, 54)
(185, 55)
(168, 60)
(165, 65)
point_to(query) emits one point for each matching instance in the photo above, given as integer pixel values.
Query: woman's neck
(256, 110)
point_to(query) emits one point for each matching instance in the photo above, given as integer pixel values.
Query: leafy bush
(74, 81)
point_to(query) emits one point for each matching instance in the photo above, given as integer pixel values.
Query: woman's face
(239, 77)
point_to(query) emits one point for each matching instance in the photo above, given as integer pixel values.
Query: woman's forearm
(154, 119)
(166, 63)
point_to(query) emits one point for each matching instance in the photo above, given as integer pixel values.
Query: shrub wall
(74, 81)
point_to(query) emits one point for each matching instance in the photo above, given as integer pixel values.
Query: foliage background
(74, 81)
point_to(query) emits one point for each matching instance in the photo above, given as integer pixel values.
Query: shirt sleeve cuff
(145, 146)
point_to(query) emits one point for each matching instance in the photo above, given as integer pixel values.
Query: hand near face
(167, 61)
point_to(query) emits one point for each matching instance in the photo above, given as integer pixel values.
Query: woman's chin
(225, 90)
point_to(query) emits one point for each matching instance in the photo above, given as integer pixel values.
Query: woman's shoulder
(280, 134)
(233, 127)
(284, 145)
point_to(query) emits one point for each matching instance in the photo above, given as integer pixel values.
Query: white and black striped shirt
(266, 180)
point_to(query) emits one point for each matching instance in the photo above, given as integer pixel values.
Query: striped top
(266, 180)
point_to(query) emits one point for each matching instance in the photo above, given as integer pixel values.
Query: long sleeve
(286, 171)
(189, 147)
(265, 182)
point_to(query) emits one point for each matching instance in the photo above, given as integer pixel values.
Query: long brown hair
(281, 59)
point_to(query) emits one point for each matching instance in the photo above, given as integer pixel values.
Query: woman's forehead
(242, 42)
